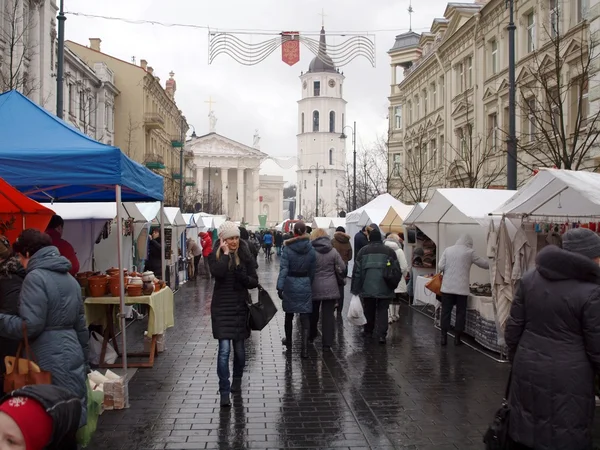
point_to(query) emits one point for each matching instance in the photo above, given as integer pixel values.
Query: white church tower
(321, 152)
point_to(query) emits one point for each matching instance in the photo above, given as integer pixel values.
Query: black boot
(287, 342)
(236, 385)
(304, 351)
(457, 338)
(225, 401)
(444, 340)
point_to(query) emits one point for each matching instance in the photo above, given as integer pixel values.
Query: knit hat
(32, 419)
(228, 230)
(375, 236)
(340, 229)
(582, 241)
(5, 248)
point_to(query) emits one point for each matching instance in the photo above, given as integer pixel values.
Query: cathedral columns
(240, 194)
(200, 182)
(255, 194)
(224, 191)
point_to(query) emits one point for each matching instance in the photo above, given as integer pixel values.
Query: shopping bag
(262, 311)
(496, 436)
(19, 374)
(94, 409)
(356, 315)
(96, 349)
(435, 284)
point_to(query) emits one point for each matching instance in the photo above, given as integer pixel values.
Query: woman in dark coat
(154, 261)
(51, 306)
(11, 279)
(296, 274)
(553, 338)
(325, 287)
(234, 270)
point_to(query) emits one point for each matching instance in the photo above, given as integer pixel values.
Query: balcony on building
(154, 121)
(176, 141)
(190, 181)
(176, 175)
(188, 155)
(154, 161)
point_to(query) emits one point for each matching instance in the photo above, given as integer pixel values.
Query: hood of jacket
(11, 266)
(299, 244)
(392, 244)
(466, 240)
(322, 244)
(49, 258)
(341, 237)
(556, 264)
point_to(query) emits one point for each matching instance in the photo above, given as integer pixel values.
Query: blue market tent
(49, 160)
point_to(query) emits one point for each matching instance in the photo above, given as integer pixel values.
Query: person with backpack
(375, 276)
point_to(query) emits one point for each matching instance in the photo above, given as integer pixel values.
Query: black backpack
(392, 274)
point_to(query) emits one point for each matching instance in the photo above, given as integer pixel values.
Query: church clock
(331, 83)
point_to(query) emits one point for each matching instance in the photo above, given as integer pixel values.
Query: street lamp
(317, 167)
(343, 136)
(511, 167)
(60, 72)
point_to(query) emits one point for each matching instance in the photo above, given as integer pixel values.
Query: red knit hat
(33, 420)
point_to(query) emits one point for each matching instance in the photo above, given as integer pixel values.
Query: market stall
(58, 163)
(18, 212)
(393, 221)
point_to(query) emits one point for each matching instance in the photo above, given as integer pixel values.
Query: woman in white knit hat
(234, 270)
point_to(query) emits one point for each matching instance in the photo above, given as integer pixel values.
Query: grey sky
(259, 97)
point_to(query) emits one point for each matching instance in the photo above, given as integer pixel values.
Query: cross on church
(323, 17)
(210, 103)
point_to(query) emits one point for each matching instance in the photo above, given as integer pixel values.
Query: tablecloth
(160, 317)
(422, 295)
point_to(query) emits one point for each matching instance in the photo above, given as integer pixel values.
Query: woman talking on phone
(234, 269)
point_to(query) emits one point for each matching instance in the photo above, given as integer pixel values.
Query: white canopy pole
(162, 243)
(121, 276)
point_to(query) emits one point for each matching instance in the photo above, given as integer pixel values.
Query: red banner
(290, 47)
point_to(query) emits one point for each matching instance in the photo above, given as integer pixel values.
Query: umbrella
(18, 212)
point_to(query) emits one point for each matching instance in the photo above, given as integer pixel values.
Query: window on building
(433, 96)
(315, 120)
(332, 121)
(397, 168)
(425, 101)
(493, 132)
(92, 110)
(554, 8)
(530, 126)
(317, 88)
(417, 107)
(331, 157)
(461, 143)
(583, 6)
(580, 103)
(469, 71)
(460, 79)
(530, 32)
(302, 123)
(554, 105)
(494, 57)
(433, 152)
(82, 105)
(505, 121)
(442, 89)
(398, 117)
(441, 150)
(423, 156)
(71, 99)
(409, 118)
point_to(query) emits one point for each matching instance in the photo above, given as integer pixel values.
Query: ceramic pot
(137, 281)
(148, 276)
(148, 288)
(97, 286)
(134, 290)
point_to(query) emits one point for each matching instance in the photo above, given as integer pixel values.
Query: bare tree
(15, 31)
(130, 140)
(557, 128)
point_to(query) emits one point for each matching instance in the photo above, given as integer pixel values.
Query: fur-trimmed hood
(554, 263)
(341, 237)
(299, 244)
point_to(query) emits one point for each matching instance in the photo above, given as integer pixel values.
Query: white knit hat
(228, 230)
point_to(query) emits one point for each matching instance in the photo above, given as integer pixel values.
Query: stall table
(100, 310)
(422, 295)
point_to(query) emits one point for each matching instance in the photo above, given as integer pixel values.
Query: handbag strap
(28, 351)
(507, 390)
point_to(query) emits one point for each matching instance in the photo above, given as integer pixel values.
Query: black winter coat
(360, 241)
(62, 405)
(153, 262)
(11, 280)
(553, 337)
(278, 239)
(229, 307)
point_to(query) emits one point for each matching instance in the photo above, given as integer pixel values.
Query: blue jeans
(239, 361)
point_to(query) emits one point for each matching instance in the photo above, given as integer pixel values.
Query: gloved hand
(280, 293)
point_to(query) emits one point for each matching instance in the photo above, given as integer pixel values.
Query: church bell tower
(321, 151)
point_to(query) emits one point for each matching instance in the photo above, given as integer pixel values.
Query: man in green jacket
(368, 282)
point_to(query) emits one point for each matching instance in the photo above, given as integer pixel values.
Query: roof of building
(322, 62)
(406, 40)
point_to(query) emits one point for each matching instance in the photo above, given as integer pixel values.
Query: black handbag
(496, 437)
(339, 276)
(262, 311)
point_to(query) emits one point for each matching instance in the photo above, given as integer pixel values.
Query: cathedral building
(321, 151)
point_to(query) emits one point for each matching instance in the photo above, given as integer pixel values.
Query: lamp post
(317, 167)
(208, 209)
(511, 168)
(343, 136)
(60, 73)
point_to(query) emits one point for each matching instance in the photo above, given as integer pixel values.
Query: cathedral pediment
(214, 144)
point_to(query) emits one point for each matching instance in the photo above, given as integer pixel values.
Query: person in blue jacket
(294, 284)
(268, 241)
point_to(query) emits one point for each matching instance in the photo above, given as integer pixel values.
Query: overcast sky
(264, 96)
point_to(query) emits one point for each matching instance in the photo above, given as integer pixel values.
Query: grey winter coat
(296, 273)
(553, 338)
(456, 262)
(325, 285)
(50, 304)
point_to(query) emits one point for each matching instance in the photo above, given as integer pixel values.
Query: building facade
(89, 98)
(28, 49)
(448, 113)
(321, 152)
(149, 128)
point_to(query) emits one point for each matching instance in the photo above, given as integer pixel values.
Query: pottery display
(137, 281)
(148, 276)
(134, 290)
(97, 286)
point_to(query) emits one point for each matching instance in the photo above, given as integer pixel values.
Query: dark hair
(244, 234)
(299, 228)
(340, 229)
(30, 241)
(55, 222)
(153, 229)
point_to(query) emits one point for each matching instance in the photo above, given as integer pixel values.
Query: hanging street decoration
(236, 46)
(290, 47)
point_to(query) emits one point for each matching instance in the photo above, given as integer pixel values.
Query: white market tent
(556, 193)
(191, 230)
(321, 222)
(415, 212)
(394, 219)
(338, 222)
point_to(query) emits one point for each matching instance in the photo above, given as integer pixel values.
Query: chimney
(150, 70)
(171, 86)
(143, 64)
(95, 44)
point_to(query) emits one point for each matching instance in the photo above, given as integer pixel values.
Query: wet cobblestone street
(408, 394)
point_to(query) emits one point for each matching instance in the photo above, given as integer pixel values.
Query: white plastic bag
(356, 315)
(96, 348)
